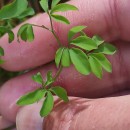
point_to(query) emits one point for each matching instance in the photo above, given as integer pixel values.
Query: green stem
(42, 26)
(53, 31)
(58, 73)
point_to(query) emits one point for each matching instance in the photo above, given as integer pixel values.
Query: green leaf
(95, 67)
(26, 32)
(38, 78)
(103, 61)
(60, 18)
(106, 48)
(4, 30)
(22, 32)
(75, 30)
(80, 61)
(63, 8)
(44, 5)
(98, 40)
(30, 34)
(1, 61)
(31, 97)
(84, 42)
(58, 56)
(47, 105)
(28, 12)
(1, 51)
(13, 9)
(60, 92)
(54, 3)
(65, 61)
(50, 78)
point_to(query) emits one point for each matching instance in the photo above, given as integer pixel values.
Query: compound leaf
(106, 48)
(63, 8)
(31, 97)
(65, 61)
(4, 30)
(13, 9)
(38, 78)
(103, 61)
(80, 61)
(49, 79)
(58, 56)
(47, 105)
(54, 3)
(96, 68)
(60, 18)
(84, 42)
(75, 30)
(44, 5)
(30, 34)
(60, 92)
(28, 12)
(98, 40)
(1, 51)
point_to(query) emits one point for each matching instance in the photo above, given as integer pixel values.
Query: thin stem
(53, 31)
(58, 73)
(41, 26)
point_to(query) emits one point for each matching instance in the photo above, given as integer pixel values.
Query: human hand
(109, 19)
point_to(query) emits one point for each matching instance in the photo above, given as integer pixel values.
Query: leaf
(13, 9)
(1, 61)
(65, 61)
(60, 18)
(63, 8)
(1, 51)
(84, 42)
(22, 32)
(31, 97)
(30, 34)
(60, 92)
(26, 32)
(54, 3)
(106, 48)
(98, 40)
(58, 56)
(28, 12)
(75, 30)
(38, 78)
(103, 61)
(80, 61)
(47, 105)
(50, 78)
(44, 5)
(4, 30)
(95, 67)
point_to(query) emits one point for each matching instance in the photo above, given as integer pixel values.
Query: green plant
(86, 54)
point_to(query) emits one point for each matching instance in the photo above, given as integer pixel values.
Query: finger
(114, 26)
(30, 116)
(75, 83)
(79, 114)
(4, 123)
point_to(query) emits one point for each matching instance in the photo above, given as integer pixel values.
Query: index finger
(110, 19)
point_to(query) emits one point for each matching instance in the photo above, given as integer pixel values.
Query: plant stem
(58, 73)
(42, 26)
(53, 31)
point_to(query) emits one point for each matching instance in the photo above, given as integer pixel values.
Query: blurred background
(5, 75)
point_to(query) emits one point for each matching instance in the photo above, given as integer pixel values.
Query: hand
(107, 18)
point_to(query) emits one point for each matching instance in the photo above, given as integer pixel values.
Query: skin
(101, 104)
